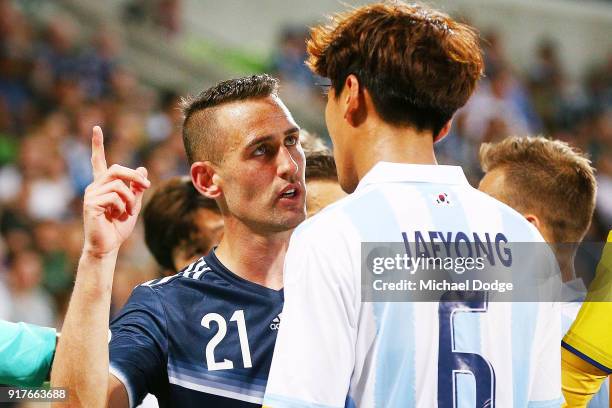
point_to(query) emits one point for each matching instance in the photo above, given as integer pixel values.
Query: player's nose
(288, 166)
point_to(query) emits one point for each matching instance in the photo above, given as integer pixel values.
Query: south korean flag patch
(442, 199)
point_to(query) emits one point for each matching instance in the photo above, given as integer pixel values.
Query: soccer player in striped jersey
(202, 337)
(398, 73)
(518, 173)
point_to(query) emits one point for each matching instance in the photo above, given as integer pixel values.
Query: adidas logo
(276, 322)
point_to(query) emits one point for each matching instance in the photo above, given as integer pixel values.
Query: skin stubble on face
(251, 177)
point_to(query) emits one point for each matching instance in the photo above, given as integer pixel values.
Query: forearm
(81, 359)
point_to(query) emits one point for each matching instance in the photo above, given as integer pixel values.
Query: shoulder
(325, 246)
(194, 270)
(336, 219)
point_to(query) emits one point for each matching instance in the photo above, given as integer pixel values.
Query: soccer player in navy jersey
(205, 336)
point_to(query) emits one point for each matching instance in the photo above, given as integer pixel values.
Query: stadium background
(68, 65)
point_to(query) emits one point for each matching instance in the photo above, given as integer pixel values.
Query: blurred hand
(112, 201)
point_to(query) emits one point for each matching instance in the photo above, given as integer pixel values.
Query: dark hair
(547, 177)
(200, 128)
(418, 65)
(169, 220)
(320, 162)
(321, 165)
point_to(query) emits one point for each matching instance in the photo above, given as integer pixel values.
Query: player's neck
(255, 257)
(565, 254)
(382, 142)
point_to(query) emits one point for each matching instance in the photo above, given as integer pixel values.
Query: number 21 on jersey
(226, 364)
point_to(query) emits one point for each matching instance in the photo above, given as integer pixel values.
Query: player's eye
(291, 141)
(261, 150)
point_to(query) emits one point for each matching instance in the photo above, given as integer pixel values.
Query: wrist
(95, 272)
(94, 255)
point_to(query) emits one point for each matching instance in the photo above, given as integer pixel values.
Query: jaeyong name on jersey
(457, 251)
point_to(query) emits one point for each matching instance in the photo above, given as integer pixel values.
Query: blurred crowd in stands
(56, 83)
(164, 15)
(54, 86)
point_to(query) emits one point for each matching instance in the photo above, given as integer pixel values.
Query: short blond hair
(550, 178)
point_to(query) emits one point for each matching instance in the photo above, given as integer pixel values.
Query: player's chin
(291, 218)
(296, 217)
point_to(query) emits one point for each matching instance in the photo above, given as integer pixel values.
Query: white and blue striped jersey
(335, 350)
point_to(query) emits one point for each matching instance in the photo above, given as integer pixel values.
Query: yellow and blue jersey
(590, 336)
(584, 384)
(587, 345)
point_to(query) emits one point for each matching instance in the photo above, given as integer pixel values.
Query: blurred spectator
(16, 61)
(77, 148)
(5, 302)
(600, 147)
(57, 276)
(58, 50)
(167, 119)
(599, 83)
(288, 63)
(29, 302)
(168, 16)
(165, 14)
(49, 196)
(98, 63)
(557, 100)
(491, 113)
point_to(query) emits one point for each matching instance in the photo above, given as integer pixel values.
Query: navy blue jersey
(201, 338)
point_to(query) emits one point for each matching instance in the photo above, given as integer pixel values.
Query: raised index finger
(98, 160)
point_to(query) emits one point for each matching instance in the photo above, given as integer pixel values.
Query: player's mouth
(292, 192)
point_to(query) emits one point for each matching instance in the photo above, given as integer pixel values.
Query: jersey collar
(386, 172)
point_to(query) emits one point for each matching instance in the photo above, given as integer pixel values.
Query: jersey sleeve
(314, 353)
(26, 353)
(138, 344)
(590, 336)
(581, 380)
(545, 390)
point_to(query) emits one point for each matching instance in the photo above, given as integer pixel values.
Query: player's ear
(353, 101)
(535, 221)
(205, 179)
(444, 131)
